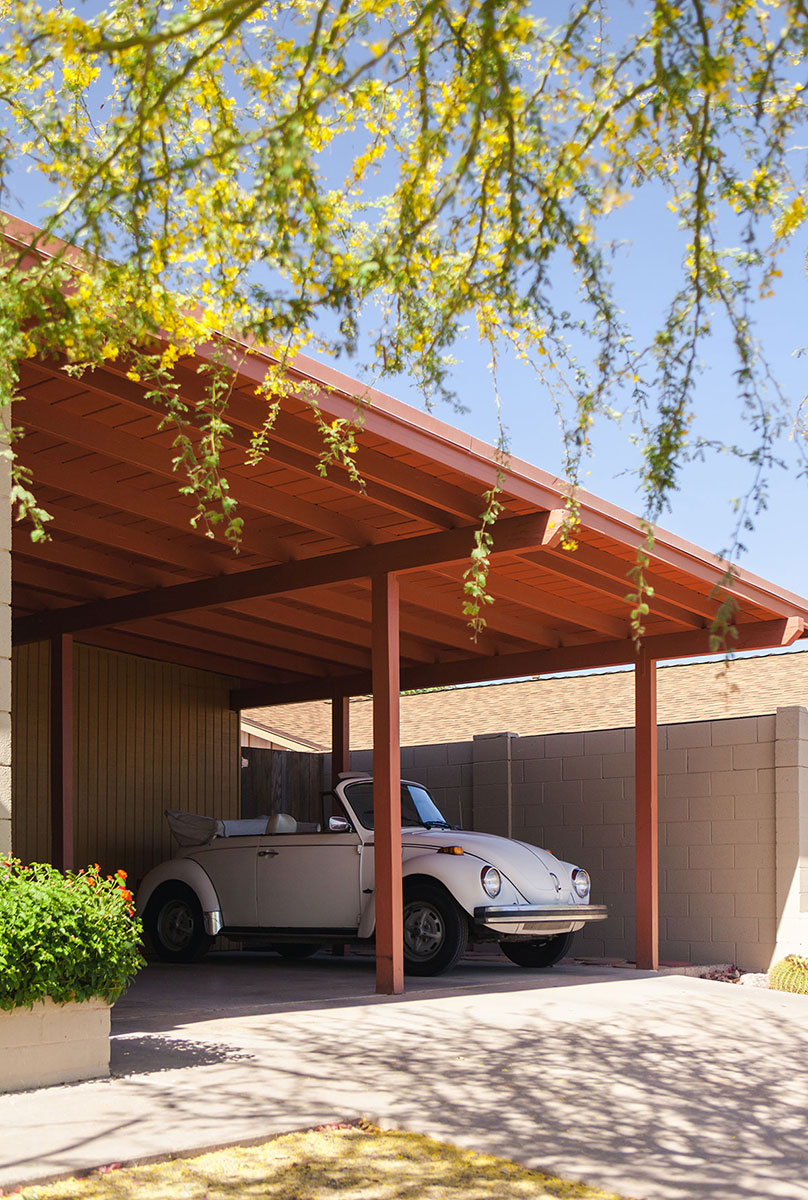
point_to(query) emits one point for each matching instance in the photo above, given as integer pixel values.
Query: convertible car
(298, 885)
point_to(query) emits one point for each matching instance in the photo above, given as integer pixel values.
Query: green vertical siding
(149, 736)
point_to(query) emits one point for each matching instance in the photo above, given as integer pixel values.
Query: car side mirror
(338, 825)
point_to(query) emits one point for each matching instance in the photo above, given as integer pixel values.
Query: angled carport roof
(311, 606)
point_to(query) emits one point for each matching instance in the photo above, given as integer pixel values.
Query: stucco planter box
(53, 1043)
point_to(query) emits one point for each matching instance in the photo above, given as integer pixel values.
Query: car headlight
(491, 880)
(581, 882)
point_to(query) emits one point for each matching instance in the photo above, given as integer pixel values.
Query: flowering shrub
(68, 936)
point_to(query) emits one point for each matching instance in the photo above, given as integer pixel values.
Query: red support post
(387, 786)
(340, 737)
(646, 802)
(61, 751)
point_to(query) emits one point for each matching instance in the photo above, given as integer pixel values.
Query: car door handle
(267, 853)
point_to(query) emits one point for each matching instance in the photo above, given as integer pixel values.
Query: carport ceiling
(290, 616)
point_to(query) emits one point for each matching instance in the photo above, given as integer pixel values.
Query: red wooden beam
(762, 635)
(282, 635)
(61, 752)
(481, 465)
(161, 504)
(293, 442)
(267, 657)
(472, 460)
(157, 459)
(497, 621)
(646, 820)
(400, 485)
(570, 567)
(398, 555)
(89, 562)
(541, 600)
(197, 659)
(321, 616)
(430, 632)
(612, 566)
(387, 788)
(446, 635)
(203, 557)
(340, 736)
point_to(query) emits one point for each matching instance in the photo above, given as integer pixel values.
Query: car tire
(295, 950)
(435, 930)
(175, 924)
(544, 953)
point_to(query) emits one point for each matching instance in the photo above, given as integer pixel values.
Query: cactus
(790, 975)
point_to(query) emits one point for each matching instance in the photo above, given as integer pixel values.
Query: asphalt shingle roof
(686, 692)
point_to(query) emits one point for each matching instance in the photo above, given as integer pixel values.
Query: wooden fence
(281, 781)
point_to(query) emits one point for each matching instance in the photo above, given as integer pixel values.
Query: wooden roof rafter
(401, 555)
(126, 569)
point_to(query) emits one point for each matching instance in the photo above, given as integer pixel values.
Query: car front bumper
(538, 920)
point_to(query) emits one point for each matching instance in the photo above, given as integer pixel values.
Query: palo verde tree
(271, 171)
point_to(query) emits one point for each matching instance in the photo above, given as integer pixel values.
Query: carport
(342, 590)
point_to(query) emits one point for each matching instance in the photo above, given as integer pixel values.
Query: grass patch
(332, 1163)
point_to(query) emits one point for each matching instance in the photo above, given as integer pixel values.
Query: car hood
(529, 868)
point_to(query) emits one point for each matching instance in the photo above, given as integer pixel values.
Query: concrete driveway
(652, 1086)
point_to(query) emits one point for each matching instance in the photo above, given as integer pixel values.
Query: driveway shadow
(168, 996)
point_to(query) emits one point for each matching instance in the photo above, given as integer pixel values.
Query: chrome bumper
(213, 922)
(538, 919)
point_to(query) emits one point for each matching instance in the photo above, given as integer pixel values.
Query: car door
(231, 863)
(309, 881)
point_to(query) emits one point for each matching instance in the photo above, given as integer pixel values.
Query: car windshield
(417, 806)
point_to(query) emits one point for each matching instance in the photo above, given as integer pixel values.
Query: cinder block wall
(574, 794)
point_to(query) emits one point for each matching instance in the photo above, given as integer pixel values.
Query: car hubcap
(175, 925)
(423, 930)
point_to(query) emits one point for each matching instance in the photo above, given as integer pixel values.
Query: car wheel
(295, 950)
(538, 954)
(435, 931)
(175, 924)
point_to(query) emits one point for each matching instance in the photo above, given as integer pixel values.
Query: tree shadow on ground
(144, 1055)
(694, 1096)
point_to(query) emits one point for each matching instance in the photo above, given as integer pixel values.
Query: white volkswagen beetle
(299, 885)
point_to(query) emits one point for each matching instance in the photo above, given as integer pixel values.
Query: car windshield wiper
(437, 825)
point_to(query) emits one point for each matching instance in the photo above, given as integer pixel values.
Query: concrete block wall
(791, 830)
(716, 833)
(733, 825)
